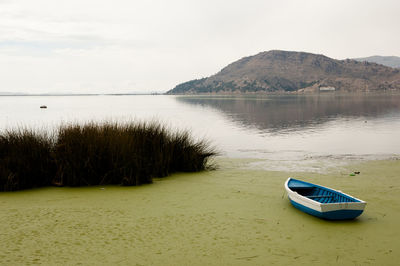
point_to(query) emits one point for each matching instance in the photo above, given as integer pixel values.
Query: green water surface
(230, 216)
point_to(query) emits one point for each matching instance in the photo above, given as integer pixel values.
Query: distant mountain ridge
(284, 71)
(390, 61)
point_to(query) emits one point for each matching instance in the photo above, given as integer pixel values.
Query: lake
(282, 132)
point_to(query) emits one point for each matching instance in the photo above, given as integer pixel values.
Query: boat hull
(343, 214)
(331, 204)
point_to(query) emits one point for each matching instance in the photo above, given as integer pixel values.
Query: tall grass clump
(127, 154)
(97, 154)
(25, 160)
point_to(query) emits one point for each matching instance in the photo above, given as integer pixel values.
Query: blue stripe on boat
(333, 215)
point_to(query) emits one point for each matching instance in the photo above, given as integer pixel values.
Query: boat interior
(322, 195)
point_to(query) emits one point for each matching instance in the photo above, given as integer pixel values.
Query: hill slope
(390, 61)
(282, 71)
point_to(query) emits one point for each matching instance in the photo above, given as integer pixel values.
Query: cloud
(114, 45)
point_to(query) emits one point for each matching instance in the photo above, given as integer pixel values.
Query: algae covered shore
(230, 216)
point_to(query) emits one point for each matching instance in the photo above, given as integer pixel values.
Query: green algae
(230, 216)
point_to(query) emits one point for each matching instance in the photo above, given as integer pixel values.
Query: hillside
(390, 61)
(282, 71)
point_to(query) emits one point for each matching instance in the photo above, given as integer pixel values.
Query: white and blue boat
(323, 202)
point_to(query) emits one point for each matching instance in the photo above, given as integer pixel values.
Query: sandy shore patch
(230, 216)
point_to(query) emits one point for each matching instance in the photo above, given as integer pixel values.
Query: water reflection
(297, 112)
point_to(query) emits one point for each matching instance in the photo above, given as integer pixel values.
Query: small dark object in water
(357, 173)
(43, 106)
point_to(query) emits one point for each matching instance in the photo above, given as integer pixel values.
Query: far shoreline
(338, 93)
(224, 93)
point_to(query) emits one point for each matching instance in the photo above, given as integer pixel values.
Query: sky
(123, 46)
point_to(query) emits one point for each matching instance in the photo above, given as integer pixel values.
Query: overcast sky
(111, 46)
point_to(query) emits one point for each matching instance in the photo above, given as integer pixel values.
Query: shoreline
(229, 216)
(283, 93)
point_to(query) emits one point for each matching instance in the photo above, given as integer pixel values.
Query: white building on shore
(327, 89)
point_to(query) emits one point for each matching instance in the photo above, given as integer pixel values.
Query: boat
(323, 202)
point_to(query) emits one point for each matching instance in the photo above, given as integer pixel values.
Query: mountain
(283, 71)
(390, 61)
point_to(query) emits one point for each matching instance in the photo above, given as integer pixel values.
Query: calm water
(284, 132)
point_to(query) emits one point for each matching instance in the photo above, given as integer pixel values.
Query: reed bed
(25, 160)
(97, 154)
